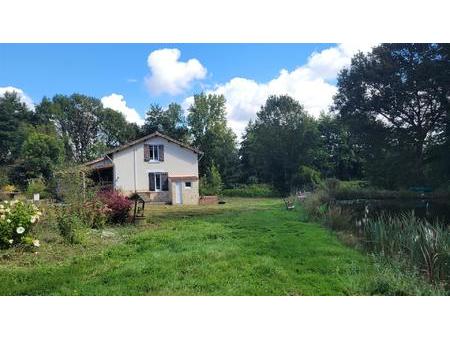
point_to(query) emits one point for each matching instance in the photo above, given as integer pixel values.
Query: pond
(432, 210)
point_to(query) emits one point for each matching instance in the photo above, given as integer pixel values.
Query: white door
(178, 192)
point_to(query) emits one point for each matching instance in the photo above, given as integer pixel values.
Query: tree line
(389, 124)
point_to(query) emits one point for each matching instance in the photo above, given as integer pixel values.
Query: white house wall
(178, 161)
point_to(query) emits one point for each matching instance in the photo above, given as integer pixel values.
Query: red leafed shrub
(117, 203)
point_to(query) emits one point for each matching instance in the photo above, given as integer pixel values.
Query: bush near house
(118, 205)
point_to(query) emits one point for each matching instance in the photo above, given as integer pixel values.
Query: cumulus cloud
(311, 84)
(117, 102)
(170, 75)
(23, 97)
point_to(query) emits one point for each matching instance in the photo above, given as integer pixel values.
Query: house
(156, 166)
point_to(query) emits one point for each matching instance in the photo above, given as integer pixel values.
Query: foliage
(9, 188)
(37, 186)
(281, 139)
(16, 221)
(114, 130)
(210, 133)
(337, 218)
(70, 226)
(339, 156)
(251, 190)
(211, 183)
(315, 205)
(423, 245)
(394, 102)
(307, 178)
(118, 205)
(14, 114)
(170, 121)
(41, 154)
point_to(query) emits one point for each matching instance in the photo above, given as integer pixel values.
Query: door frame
(178, 192)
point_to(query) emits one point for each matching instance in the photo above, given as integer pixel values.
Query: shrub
(337, 218)
(9, 188)
(307, 178)
(70, 226)
(37, 186)
(118, 204)
(95, 213)
(16, 221)
(211, 184)
(252, 190)
(315, 205)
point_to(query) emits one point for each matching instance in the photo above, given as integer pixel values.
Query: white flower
(7, 210)
(33, 219)
(39, 213)
(10, 241)
(2, 217)
(20, 230)
(1, 206)
(8, 221)
(36, 243)
(6, 202)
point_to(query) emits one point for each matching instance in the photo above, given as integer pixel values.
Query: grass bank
(245, 247)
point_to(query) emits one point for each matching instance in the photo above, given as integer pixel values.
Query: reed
(422, 244)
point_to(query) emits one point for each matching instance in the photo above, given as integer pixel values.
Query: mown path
(264, 250)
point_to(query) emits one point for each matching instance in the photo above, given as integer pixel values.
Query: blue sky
(130, 81)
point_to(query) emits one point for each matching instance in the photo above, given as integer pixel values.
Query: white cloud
(169, 75)
(311, 84)
(117, 102)
(23, 97)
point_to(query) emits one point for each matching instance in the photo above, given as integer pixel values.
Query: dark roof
(147, 137)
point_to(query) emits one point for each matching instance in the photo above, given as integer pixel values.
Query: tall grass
(422, 244)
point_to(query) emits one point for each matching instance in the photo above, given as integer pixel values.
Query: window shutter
(151, 178)
(165, 182)
(161, 152)
(146, 152)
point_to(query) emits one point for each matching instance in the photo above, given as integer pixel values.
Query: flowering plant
(118, 204)
(16, 220)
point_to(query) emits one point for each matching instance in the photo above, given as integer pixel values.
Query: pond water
(432, 210)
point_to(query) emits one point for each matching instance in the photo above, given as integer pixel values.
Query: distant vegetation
(389, 127)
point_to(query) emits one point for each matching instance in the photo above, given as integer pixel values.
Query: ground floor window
(158, 181)
(188, 184)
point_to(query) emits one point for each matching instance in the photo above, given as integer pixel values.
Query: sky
(131, 77)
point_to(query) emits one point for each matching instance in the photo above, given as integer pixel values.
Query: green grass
(245, 247)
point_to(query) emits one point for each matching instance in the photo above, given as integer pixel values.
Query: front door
(178, 192)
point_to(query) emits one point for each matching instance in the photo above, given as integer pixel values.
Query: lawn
(245, 247)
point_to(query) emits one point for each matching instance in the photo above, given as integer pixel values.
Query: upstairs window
(188, 185)
(154, 152)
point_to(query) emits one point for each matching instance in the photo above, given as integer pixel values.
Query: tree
(14, 116)
(77, 121)
(281, 140)
(400, 88)
(170, 121)
(210, 133)
(340, 157)
(41, 154)
(113, 128)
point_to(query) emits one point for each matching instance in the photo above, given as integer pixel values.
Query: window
(188, 185)
(158, 182)
(154, 153)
